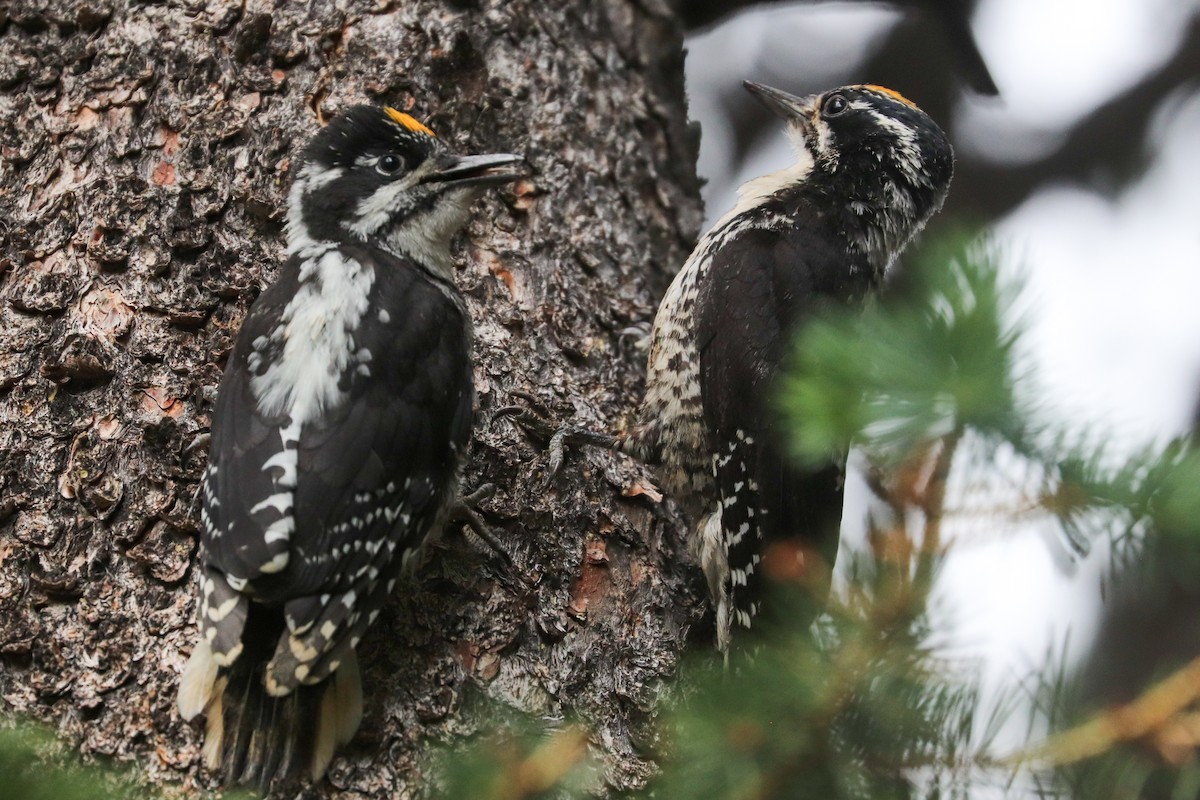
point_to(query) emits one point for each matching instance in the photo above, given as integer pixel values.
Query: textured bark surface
(144, 158)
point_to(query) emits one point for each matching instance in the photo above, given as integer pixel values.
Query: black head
(375, 174)
(868, 144)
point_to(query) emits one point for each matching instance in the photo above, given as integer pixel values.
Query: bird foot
(558, 436)
(465, 512)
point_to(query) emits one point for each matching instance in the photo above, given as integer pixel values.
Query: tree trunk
(144, 160)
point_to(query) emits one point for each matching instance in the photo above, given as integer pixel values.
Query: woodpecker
(339, 428)
(870, 170)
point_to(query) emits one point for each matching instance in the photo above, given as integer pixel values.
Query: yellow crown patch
(405, 121)
(892, 93)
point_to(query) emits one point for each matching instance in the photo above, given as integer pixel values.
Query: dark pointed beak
(478, 170)
(783, 105)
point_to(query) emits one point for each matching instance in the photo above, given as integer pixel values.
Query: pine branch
(1163, 717)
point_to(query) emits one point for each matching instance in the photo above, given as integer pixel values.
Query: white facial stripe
(424, 237)
(318, 177)
(375, 211)
(909, 153)
(906, 141)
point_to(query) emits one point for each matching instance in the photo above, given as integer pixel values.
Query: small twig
(1149, 714)
(933, 504)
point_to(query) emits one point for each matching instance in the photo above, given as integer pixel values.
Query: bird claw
(574, 435)
(528, 420)
(485, 491)
(463, 511)
(558, 436)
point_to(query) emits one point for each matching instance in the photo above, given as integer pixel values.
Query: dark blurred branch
(952, 18)
(696, 15)
(1105, 151)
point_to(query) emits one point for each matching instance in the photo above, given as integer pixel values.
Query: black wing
(762, 286)
(356, 490)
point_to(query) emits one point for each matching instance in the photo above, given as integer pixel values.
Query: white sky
(1114, 282)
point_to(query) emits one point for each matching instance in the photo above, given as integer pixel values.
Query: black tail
(255, 739)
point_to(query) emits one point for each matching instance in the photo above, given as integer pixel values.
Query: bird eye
(389, 164)
(834, 105)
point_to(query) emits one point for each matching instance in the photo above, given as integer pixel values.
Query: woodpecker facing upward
(870, 170)
(337, 437)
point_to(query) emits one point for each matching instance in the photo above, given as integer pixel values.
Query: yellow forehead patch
(405, 121)
(892, 93)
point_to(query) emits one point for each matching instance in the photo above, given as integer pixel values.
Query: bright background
(1113, 276)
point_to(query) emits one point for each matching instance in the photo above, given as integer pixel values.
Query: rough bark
(144, 157)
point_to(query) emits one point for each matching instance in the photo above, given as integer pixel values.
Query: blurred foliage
(34, 765)
(865, 709)
(939, 357)
(518, 758)
(1144, 749)
(944, 358)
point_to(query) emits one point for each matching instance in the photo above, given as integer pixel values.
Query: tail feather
(348, 684)
(214, 734)
(341, 713)
(708, 547)
(196, 685)
(255, 739)
(325, 742)
(261, 731)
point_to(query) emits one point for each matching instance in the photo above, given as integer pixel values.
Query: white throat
(759, 190)
(424, 236)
